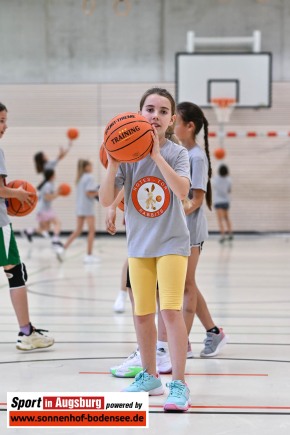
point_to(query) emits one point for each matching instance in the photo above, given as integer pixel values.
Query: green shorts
(8, 248)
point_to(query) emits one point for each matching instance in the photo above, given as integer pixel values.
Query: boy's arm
(19, 193)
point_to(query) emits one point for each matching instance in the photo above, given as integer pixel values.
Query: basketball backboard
(244, 77)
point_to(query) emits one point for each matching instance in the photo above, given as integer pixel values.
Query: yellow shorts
(169, 270)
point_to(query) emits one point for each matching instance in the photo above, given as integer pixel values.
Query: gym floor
(244, 390)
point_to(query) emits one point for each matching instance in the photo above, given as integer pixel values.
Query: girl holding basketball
(157, 247)
(29, 337)
(87, 193)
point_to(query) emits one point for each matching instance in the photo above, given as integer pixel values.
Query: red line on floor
(229, 407)
(218, 407)
(188, 374)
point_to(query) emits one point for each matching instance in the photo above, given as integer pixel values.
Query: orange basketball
(219, 153)
(103, 156)
(158, 198)
(14, 207)
(128, 137)
(72, 133)
(64, 189)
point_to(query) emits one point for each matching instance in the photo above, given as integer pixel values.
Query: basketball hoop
(223, 108)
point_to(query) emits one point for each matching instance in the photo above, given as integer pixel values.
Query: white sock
(162, 345)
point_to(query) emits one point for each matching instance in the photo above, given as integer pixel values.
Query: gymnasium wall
(53, 41)
(39, 116)
(63, 68)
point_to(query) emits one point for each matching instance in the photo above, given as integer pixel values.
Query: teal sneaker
(178, 398)
(146, 383)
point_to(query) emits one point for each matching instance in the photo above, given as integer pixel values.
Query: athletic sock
(26, 329)
(214, 330)
(162, 345)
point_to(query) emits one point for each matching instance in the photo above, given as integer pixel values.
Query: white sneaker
(45, 235)
(120, 302)
(36, 340)
(163, 361)
(91, 259)
(60, 253)
(189, 351)
(129, 368)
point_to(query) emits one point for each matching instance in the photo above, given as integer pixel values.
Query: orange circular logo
(150, 196)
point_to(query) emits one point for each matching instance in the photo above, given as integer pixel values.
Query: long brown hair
(81, 166)
(190, 112)
(39, 160)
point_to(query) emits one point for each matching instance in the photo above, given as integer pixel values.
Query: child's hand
(23, 196)
(112, 162)
(111, 220)
(62, 153)
(186, 206)
(155, 151)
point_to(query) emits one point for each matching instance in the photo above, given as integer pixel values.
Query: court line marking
(253, 412)
(112, 358)
(230, 407)
(224, 413)
(190, 374)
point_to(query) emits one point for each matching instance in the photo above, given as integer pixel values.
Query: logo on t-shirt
(150, 196)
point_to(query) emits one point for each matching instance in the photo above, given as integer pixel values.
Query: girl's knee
(170, 315)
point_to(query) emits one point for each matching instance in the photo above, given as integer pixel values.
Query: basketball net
(223, 108)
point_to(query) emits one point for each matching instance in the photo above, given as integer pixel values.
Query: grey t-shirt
(85, 204)
(4, 219)
(155, 219)
(221, 189)
(50, 164)
(44, 205)
(196, 221)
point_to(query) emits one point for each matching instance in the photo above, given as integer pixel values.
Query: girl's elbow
(104, 201)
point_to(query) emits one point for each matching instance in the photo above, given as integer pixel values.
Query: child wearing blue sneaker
(158, 249)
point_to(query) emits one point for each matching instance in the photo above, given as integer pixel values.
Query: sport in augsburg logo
(150, 196)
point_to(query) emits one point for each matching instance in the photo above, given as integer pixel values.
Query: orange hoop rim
(223, 102)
